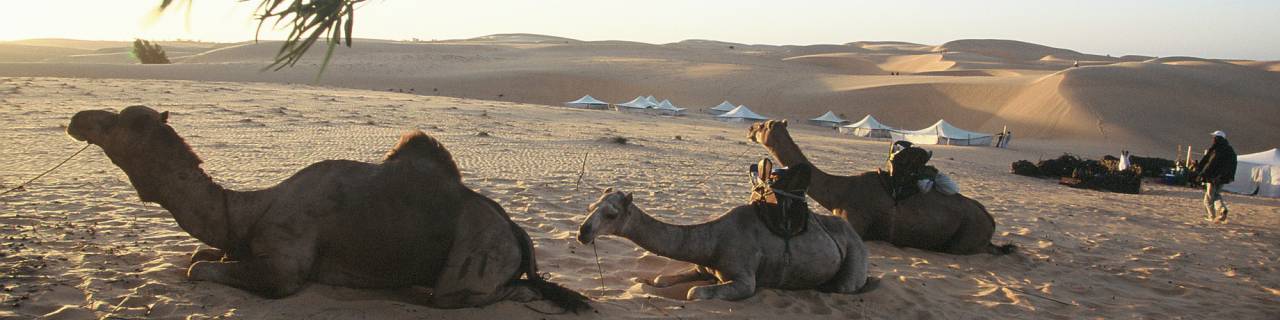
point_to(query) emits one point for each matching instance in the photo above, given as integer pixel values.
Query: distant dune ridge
(1135, 102)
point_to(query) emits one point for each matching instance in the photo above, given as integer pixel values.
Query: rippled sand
(78, 243)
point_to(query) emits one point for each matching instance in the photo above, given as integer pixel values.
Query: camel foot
(872, 284)
(702, 293)
(207, 254)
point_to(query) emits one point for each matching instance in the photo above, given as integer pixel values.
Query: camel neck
(688, 243)
(821, 185)
(785, 150)
(177, 183)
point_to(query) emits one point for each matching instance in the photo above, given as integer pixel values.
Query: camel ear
(164, 117)
(629, 198)
(784, 123)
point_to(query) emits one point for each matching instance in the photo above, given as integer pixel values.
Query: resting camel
(932, 221)
(737, 250)
(408, 221)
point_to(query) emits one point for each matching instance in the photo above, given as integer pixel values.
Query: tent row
(650, 104)
(639, 104)
(725, 111)
(941, 132)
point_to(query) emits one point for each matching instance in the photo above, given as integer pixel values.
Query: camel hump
(418, 145)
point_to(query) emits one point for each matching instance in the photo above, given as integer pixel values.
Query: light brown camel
(737, 250)
(932, 221)
(408, 221)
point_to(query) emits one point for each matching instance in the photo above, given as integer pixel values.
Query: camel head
(763, 132)
(608, 215)
(107, 129)
(138, 140)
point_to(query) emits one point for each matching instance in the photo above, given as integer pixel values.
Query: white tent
(639, 103)
(665, 107)
(829, 119)
(869, 127)
(721, 108)
(943, 133)
(652, 100)
(588, 102)
(741, 114)
(1257, 173)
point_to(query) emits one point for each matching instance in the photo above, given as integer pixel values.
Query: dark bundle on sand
(1127, 181)
(1152, 167)
(1065, 166)
(1083, 173)
(1026, 168)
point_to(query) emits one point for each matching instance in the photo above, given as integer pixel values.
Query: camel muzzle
(86, 124)
(584, 235)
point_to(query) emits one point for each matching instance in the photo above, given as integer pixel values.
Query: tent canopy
(868, 127)
(830, 117)
(742, 112)
(724, 107)
(944, 129)
(588, 100)
(1257, 173)
(652, 100)
(666, 105)
(870, 123)
(638, 103)
(1271, 157)
(943, 133)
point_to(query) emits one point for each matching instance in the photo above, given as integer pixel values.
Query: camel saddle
(907, 166)
(778, 196)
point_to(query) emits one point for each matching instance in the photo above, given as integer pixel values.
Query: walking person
(1217, 168)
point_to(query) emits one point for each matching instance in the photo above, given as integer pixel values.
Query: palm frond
(307, 21)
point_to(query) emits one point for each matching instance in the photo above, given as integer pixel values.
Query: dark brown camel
(408, 221)
(932, 221)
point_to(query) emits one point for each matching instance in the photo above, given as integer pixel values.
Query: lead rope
(726, 165)
(599, 269)
(577, 187)
(64, 161)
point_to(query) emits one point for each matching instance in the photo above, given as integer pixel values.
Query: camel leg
(853, 270)
(207, 254)
(693, 273)
(271, 276)
(484, 259)
(731, 290)
(736, 284)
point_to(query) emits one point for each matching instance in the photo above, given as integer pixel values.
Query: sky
(1239, 29)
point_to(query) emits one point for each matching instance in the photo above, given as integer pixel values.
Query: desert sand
(1143, 104)
(79, 244)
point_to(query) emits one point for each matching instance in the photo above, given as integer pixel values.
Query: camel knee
(273, 283)
(732, 291)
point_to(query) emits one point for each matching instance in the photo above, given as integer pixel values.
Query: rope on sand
(64, 161)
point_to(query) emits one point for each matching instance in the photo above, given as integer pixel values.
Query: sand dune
(78, 244)
(839, 63)
(1015, 50)
(978, 84)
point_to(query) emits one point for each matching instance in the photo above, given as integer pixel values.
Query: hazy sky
(1248, 29)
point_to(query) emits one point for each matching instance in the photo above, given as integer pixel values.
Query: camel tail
(564, 298)
(991, 247)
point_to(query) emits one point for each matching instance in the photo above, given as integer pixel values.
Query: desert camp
(399, 159)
